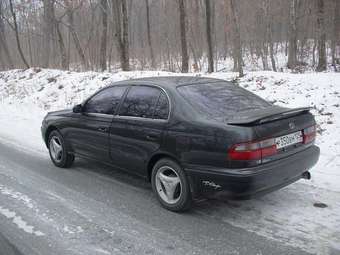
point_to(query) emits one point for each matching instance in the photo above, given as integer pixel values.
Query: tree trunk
(48, 29)
(209, 37)
(185, 57)
(292, 50)
(125, 40)
(269, 32)
(3, 41)
(74, 34)
(266, 34)
(17, 34)
(122, 32)
(265, 56)
(64, 59)
(148, 27)
(313, 52)
(103, 40)
(271, 52)
(336, 31)
(29, 42)
(322, 64)
(237, 38)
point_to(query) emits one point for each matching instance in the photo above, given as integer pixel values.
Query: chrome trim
(139, 118)
(102, 115)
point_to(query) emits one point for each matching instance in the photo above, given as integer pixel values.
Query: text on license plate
(286, 140)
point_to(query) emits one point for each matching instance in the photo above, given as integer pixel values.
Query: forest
(170, 35)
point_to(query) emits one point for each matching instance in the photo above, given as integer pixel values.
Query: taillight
(253, 150)
(309, 134)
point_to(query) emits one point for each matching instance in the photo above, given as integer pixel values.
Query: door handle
(103, 129)
(152, 137)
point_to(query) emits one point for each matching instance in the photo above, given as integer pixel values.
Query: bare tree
(292, 51)
(148, 28)
(122, 32)
(322, 64)
(70, 12)
(51, 24)
(336, 31)
(269, 32)
(237, 38)
(103, 40)
(78, 34)
(185, 57)
(17, 34)
(3, 41)
(65, 64)
(209, 36)
(48, 31)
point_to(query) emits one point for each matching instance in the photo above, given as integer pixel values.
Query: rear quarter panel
(198, 143)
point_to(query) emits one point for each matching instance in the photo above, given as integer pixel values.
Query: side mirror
(78, 108)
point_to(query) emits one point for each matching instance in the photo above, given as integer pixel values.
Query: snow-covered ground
(289, 214)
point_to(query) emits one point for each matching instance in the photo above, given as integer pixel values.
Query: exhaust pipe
(306, 175)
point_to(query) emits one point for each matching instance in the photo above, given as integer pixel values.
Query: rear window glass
(221, 100)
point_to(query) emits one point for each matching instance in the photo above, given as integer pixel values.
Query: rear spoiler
(266, 115)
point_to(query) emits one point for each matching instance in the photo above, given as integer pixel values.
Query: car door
(137, 131)
(90, 132)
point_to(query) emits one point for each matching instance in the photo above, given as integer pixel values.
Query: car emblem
(291, 125)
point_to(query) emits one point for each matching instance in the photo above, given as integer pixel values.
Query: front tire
(171, 186)
(58, 150)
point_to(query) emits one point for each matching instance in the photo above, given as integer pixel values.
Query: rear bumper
(247, 183)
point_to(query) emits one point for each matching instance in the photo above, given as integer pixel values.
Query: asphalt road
(94, 209)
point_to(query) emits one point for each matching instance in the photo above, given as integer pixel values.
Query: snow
(19, 222)
(288, 215)
(72, 230)
(16, 195)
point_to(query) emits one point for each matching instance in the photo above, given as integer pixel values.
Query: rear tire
(57, 148)
(171, 185)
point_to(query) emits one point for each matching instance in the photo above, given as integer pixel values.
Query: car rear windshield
(221, 100)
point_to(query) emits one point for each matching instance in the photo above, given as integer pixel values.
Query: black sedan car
(189, 136)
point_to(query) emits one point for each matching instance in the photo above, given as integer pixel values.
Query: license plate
(287, 140)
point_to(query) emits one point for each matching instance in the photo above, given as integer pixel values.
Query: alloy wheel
(56, 149)
(168, 185)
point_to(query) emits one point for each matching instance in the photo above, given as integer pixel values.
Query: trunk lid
(275, 122)
(266, 115)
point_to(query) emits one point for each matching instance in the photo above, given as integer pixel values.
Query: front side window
(140, 102)
(106, 101)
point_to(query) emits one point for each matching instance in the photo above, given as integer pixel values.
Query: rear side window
(221, 100)
(140, 102)
(162, 108)
(106, 101)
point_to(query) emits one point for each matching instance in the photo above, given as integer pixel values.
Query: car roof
(173, 81)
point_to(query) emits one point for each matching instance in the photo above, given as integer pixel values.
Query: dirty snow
(19, 222)
(17, 196)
